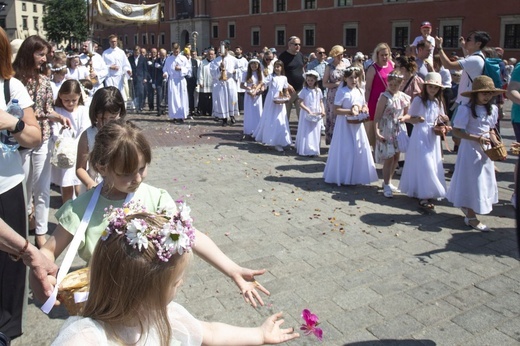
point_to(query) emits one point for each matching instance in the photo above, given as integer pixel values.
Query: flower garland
(176, 236)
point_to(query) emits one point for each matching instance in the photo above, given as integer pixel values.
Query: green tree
(65, 18)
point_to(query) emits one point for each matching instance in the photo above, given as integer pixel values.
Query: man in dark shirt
(293, 63)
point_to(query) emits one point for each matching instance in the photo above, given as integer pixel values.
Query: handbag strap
(74, 246)
(379, 74)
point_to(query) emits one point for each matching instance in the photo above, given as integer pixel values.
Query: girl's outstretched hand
(245, 280)
(272, 332)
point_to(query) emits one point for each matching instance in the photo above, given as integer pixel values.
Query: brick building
(357, 24)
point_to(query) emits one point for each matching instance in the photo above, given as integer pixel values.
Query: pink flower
(311, 323)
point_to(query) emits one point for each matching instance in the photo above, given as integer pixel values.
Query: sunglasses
(296, 44)
(321, 52)
(268, 59)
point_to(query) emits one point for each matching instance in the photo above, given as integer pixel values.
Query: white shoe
(387, 191)
(278, 148)
(392, 187)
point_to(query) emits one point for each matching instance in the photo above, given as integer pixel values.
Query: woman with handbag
(473, 186)
(30, 68)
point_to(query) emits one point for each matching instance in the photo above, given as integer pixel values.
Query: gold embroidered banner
(115, 13)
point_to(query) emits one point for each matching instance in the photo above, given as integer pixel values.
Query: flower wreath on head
(177, 235)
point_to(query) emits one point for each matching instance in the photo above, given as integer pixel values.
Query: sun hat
(336, 50)
(15, 45)
(311, 73)
(426, 24)
(254, 60)
(483, 84)
(433, 78)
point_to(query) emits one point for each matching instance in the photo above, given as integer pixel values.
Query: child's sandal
(426, 204)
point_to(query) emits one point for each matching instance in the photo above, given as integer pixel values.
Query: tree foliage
(65, 18)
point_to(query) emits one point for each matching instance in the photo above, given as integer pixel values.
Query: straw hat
(433, 78)
(15, 45)
(483, 84)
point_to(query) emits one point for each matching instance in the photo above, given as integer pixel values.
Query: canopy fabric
(116, 13)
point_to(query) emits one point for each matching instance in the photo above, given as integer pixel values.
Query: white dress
(225, 94)
(80, 122)
(252, 106)
(77, 330)
(178, 104)
(273, 128)
(423, 172)
(308, 137)
(473, 184)
(350, 159)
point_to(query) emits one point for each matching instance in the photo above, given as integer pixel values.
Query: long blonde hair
(129, 286)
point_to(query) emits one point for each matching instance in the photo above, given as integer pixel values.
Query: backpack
(492, 70)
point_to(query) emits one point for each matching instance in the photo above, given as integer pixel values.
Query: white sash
(74, 246)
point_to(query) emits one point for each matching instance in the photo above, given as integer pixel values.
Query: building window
(512, 36)
(231, 30)
(309, 4)
(152, 39)
(144, 39)
(391, 1)
(163, 38)
(450, 36)
(510, 32)
(35, 23)
(309, 36)
(255, 6)
(281, 5)
(350, 31)
(136, 39)
(214, 30)
(24, 23)
(400, 34)
(280, 37)
(24, 6)
(162, 13)
(35, 8)
(255, 37)
(343, 3)
(125, 41)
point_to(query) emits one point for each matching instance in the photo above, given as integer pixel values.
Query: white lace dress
(77, 330)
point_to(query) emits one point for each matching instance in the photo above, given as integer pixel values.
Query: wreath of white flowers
(176, 236)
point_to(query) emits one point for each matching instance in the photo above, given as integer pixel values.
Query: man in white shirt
(118, 65)
(99, 70)
(205, 82)
(472, 65)
(240, 71)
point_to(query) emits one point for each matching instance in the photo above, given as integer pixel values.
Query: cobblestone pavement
(376, 271)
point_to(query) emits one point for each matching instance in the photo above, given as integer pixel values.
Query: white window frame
(349, 4)
(136, 39)
(274, 6)
(448, 22)
(144, 39)
(280, 28)
(229, 30)
(251, 7)
(213, 25)
(400, 24)
(505, 20)
(305, 28)
(351, 25)
(310, 9)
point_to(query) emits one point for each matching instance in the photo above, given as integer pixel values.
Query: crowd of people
(370, 110)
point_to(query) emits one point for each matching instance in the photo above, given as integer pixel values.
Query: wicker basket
(76, 281)
(495, 151)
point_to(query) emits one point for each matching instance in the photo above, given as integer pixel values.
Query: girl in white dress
(107, 105)
(392, 105)
(312, 109)
(253, 83)
(74, 68)
(350, 159)
(473, 186)
(58, 77)
(273, 128)
(423, 172)
(70, 105)
(136, 269)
